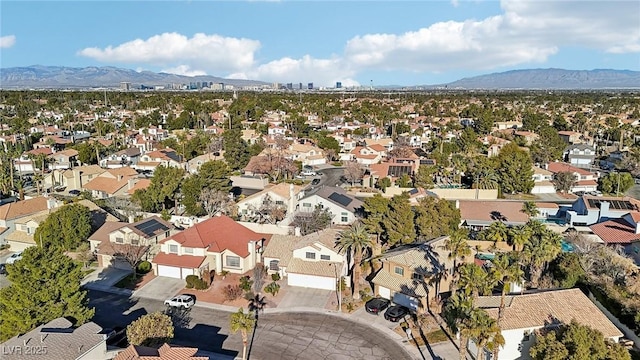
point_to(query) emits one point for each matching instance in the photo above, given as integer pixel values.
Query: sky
(365, 43)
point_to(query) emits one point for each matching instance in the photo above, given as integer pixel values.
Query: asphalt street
(278, 335)
(330, 176)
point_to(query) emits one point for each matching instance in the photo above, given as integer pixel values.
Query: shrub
(245, 283)
(200, 284)
(144, 267)
(272, 288)
(275, 277)
(191, 281)
(232, 292)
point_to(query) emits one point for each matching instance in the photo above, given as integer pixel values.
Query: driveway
(362, 314)
(104, 278)
(305, 297)
(160, 288)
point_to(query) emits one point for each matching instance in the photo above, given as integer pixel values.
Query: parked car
(3, 269)
(315, 182)
(578, 193)
(185, 301)
(116, 336)
(308, 173)
(74, 192)
(396, 313)
(14, 257)
(376, 305)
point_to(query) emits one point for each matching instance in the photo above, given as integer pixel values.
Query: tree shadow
(192, 337)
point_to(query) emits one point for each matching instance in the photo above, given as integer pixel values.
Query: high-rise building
(125, 86)
(338, 85)
(289, 86)
(310, 86)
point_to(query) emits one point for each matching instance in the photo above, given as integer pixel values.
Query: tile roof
(615, 231)
(541, 171)
(547, 205)
(21, 208)
(533, 310)
(316, 268)
(399, 284)
(62, 341)
(21, 237)
(281, 246)
(141, 184)
(327, 192)
(106, 184)
(102, 234)
(217, 234)
(557, 167)
(490, 211)
(165, 352)
(111, 248)
(186, 261)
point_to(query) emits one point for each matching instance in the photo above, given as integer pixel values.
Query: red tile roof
(557, 167)
(186, 261)
(616, 231)
(493, 210)
(218, 234)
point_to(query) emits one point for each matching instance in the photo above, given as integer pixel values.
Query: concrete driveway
(305, 297)
(361, 313)
(104, 277)
(160, 288)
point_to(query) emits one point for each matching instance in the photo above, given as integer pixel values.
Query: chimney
(130, 184)
(637, 228)
(296, 231)
(51, 203)
(604, 209)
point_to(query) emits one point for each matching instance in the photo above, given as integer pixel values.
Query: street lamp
(339, 285)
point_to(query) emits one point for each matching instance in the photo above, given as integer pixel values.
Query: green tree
(458, 247)
(326, 142)
(214, 175)
(507, 271)
(457, 316)
(357, 242)
(435, 217)
(66, 228)
(496, 232)
(475, 281)
(543, 246)
(375, 210)
(616, 183)
(485, 332)
(530, 208)
(150, 330)
(383, 183)
(424, 177)
(567, 270)
(515, 170)
(564, 181)
(243, 322)
(236, 151)
(162, 191)
(398, 222)
(575, 341)
(45, 285)
(404, 181)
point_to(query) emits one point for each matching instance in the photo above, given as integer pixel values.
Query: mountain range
(57, 77)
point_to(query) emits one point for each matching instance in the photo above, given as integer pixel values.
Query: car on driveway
(184, 301)
(315, 182)
(376, 305)
(396, 313)
(14, 257)
(3, 269)
(74, 192)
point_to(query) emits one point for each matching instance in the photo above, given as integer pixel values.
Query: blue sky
(355, 42)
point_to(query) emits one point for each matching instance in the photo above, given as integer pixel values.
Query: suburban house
(58, 339)
(13, 211)
(193, 165)
(584, 180)
(343, 207)
(570, 137)
(367, 155)
(391, 170)
(310, 261)
(524, 314)
(624, 231)
(588, 210)
(580, 155)
(413, 275)
(115, 240)
(26, 163)
(26, 226)
(126, 157)
(113, 182)
(64, 159)
(479, 214)
(528, 136)
(73, 179)
(218, 243)
(165, 352)
(166, 157)
(542, 181)
(260, 206)
(309, 155)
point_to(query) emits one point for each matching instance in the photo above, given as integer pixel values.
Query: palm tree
(518, 236)
(458, 248)
(530, 208)
(257, 304)
(497, 232)
(357, 241)
(485, 332)
(506, 272)
(475, 280)
(457, 316)
(543, 246)
(243, 322)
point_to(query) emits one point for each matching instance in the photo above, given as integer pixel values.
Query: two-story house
(114, 241)
(588, 210)
(414, 275)
(310, 261)
(570, 137)
(584, 180)
(65, 159)
(542, 181)
(366, 155)
(344, 208)
(624, 231)
(12, 214)
(218, 243)
(166, 157)
(73, 179)
(125, 157)
(308, 155)
(113, 182)
(580, 155)
(261, 206)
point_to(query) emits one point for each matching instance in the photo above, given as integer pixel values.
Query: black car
(3, 269)
(396, 313)
(74, 192)
(315, 182)
(376, 305)
(116, 336)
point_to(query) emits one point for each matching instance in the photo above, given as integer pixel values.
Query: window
(187, 250)
(279, 202)
(306, 204)
(310, 255)
(325, 257)
(344, 217)
(135, 242)
(416, 276)
(119, 240)
(274, 265)
(399, 270)
(233, 261)
(173, 248)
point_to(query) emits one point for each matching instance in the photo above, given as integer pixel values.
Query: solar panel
(151, 226)
(340, 199)
(399, 170)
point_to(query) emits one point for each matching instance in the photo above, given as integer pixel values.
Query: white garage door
(18, 246)
(186, 272)
(384, 292)
(311, 281)
(406, 300)
(169, 271)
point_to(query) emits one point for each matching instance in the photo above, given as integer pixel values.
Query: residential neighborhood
(418, 225)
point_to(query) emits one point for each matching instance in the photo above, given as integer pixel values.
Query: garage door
(311, 281)
(406, 300)
(18, 246)
(186, 272)
(384, 292)
(169, 271)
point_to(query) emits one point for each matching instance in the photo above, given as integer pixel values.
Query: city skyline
(352, 42)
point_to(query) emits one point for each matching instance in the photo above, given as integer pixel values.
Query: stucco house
(310, 261)
(408, 272)
(584, 180)
(125, 157)
(113, 182)
(344, 208)
(524, 314)
(12, 213)
(166, 157)
(65, 159)
(218, 243)
(588, 210)
(542, 181)
(257, 206)
(580, 155)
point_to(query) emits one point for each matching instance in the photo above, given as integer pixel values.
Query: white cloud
(172, 49)
(7, 41)
(184, 70)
